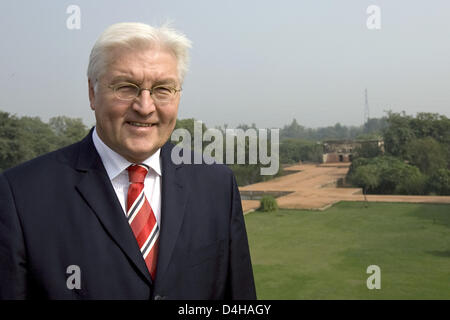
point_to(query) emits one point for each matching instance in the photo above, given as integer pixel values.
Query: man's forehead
(142, 55)
(135, 65)
(118, 76)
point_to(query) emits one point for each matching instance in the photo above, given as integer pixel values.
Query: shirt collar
(114, 163)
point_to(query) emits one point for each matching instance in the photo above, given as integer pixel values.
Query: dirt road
(314, 187)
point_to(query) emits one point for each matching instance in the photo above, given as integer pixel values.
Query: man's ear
(91, 94)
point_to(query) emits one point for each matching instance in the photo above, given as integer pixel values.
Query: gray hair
(132, 35)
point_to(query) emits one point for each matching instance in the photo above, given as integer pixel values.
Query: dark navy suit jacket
(60, 210)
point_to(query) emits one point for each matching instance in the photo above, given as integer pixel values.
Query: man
(112, 217)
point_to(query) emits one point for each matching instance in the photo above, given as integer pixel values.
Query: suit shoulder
(217, 168)
(215, 176)
(196, 161)
(65, 156)
(207, 170)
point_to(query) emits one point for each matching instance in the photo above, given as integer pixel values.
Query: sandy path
(314, 188)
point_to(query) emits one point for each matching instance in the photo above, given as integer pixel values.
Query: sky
(262, 62)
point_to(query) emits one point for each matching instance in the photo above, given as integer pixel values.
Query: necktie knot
(137, 173)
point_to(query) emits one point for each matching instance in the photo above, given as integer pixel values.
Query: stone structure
(343, 150)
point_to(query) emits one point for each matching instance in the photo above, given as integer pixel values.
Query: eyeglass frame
(114, 87)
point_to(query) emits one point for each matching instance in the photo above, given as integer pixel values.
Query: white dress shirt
(116, 168)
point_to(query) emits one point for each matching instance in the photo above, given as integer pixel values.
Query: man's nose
(144, 103)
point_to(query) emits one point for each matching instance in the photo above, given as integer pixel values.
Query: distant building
(343, 150)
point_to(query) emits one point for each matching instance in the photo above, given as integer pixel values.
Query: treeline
(372, 127)
(298, 150)
(299, 143)
(416, 159)
(24, 138)
(245, 173)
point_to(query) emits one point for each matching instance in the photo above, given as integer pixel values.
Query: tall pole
(366, 107)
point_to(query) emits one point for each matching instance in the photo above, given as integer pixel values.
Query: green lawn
(299, 254)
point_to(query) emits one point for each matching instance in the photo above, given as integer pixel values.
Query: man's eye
(162, 90)
(126, 87)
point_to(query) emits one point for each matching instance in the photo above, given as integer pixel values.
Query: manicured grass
(324, 255)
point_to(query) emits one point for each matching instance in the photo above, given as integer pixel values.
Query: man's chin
(139, 155)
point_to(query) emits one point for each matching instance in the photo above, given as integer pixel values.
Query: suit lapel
(174, 194)
(96, 189)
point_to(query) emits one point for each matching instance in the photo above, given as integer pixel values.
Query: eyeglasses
(129, 91)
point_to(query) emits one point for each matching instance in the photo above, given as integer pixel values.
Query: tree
(398, 134)
(13, 145)
(386, 175)
(38, 136)
(295, 150)
(402, 130)
(428, 125)
(439, 182)
(367, 149)
(24, 138)
(427, 154)
(68, 130)
(375, 126)
(366, 177)
(411, 181)
(294, 130)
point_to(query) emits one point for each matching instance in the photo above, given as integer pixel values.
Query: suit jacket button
(158, 297)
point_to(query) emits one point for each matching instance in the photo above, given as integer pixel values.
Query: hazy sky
(262, 62)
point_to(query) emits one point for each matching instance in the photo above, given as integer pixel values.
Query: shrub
(412, 181)
(268, 203)
(386, 175)
(439, 182)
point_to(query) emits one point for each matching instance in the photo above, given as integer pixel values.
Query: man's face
(120, 123)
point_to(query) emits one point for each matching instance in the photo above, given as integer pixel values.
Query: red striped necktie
(141, 217)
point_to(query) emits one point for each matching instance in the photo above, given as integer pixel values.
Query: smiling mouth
(139, 124)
